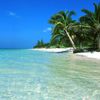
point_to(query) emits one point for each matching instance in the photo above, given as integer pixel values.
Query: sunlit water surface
(33, 75)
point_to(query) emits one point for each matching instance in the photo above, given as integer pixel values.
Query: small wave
(95, 96)
(96, 92)
(86, 98)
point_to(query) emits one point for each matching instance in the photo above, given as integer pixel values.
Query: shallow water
(33, 75)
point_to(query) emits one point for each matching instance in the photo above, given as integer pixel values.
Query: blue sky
(23, 22)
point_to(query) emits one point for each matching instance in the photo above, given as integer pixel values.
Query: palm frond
(87, 12)
(63, 14)
(97, 11)
(55, 37)
(71, 13)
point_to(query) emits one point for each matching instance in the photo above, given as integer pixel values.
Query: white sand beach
(95, 55)
(55, 50)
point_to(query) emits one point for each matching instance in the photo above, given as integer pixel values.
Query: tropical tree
(93, 20)
(62, 22)
(80, 32)
(39, 44)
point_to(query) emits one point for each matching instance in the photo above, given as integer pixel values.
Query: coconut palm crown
(93, 20)
(62, 22)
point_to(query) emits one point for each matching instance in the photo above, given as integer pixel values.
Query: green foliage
(68, 32)
(93, 20)
(41, 44)
(62, 22)
(85, 33)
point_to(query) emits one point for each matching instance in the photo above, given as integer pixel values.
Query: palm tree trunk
(80, 44)
(74, 47)
(99, 42)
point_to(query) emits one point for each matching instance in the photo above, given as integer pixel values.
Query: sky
(24, 22)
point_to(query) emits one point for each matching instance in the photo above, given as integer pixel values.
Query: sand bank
(95, 55)
(55, 50)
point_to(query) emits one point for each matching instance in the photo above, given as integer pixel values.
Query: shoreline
(90, 55)
(54, 50)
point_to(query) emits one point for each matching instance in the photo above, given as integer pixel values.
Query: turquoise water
(33, 75)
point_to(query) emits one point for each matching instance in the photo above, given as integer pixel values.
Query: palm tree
(62, 22)
(93, 20)
(80, 32)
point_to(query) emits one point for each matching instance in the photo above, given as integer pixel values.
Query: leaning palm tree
(62, 22)
(93, 20)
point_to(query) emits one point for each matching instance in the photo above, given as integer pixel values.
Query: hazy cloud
(47, 29)
(10, 13)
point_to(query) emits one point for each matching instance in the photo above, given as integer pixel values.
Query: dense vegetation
(84, 33)
(41, 44)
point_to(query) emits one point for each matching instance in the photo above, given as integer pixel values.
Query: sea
(27, 74)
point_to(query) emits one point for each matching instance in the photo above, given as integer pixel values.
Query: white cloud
(10, 13)
(47, 29)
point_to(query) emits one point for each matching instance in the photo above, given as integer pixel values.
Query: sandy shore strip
(55, 50)
(95, 55)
